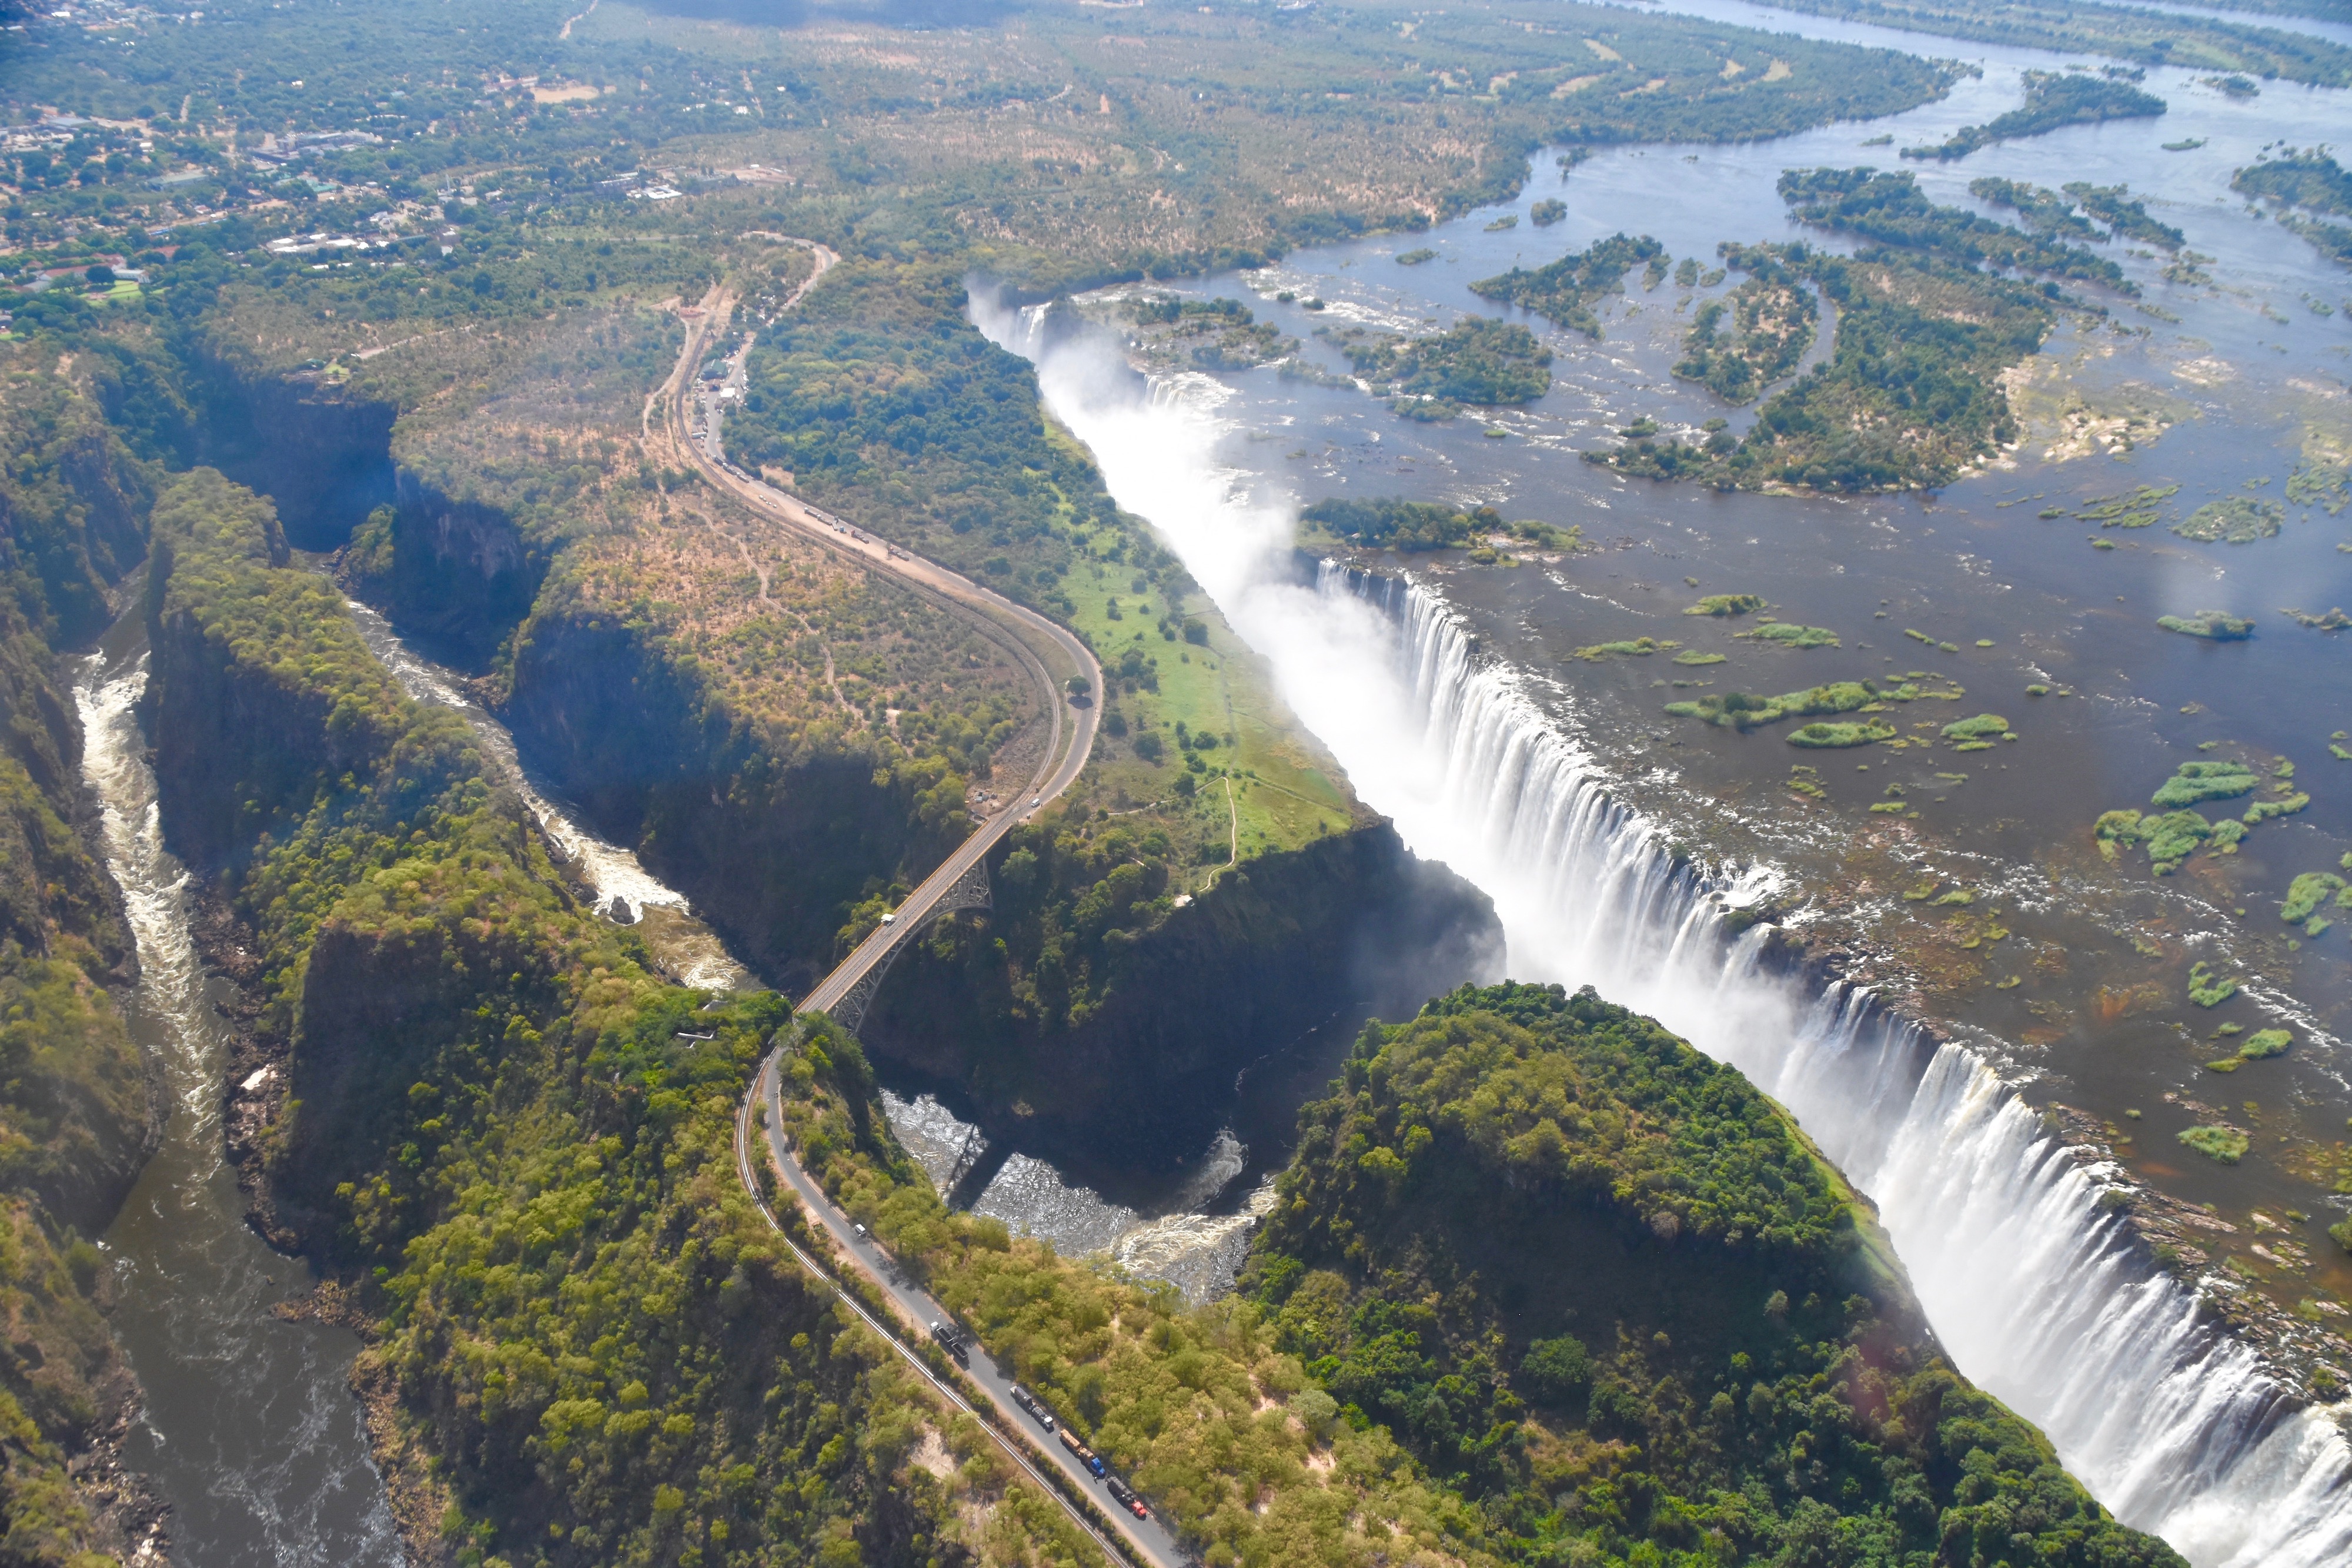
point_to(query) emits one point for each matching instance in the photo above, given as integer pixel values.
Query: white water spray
(2037, 1292)
(1199, 1253)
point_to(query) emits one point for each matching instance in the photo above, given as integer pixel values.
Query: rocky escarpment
(235, 736)
(321, 455)
(771, 848)
(1615, 1290)
(502, 1130)
(457, 575)
(1183, 998)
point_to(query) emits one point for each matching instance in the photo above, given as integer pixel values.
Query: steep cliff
(255, 721)
(320, 451)
(1613, 1292)
(511, 1140)
(80, 1108)
(458, 576)
(772, 833)
(1101, 1018)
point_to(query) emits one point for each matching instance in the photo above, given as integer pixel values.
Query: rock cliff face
(236, 740)
(1614, 1290)
(770, 849)
(458, 575)
(1350, 926)
(322, 456)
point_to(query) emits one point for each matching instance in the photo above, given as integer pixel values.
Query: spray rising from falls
(2040, 1294)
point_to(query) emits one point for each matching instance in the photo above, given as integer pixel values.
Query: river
(1614, 838)
(249, 1428)
(1443, 693)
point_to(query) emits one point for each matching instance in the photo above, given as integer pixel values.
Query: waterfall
(2038, 1292)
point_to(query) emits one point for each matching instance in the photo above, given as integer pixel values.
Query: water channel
(249, 1428)
(1452, 696)
(1545, 785)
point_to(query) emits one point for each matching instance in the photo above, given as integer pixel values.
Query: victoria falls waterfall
(2038, 1290)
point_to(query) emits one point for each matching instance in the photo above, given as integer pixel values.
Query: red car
(1135, 1506)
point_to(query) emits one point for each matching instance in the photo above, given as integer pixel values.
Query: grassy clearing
(1286, 791)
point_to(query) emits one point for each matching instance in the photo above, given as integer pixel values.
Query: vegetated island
(1566, 290)
(1205, 334)
(2303, 183)
(2066, 213)
(2175, 832)
(2052, 100)
(1742, 712)
(1772, 324)
(1475, 361)
(1910, 392)
(1409, 527)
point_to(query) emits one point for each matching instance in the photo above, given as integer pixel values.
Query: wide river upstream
(1996, 1040)
(1993, 1094)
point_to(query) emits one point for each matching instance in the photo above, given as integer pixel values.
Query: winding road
(1052, 656)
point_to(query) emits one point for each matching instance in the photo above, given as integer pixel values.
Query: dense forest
(1601, 1285)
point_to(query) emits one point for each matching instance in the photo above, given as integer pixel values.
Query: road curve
(1146, 1541)
(1022, 631)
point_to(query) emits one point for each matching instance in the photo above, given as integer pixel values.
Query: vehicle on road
(951, 1340)
(1031, 1403)
(1084, 1455)
(891, 918)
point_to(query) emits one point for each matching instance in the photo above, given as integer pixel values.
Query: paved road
(1147, 1541)
(1034, 641)
(1036, 644)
